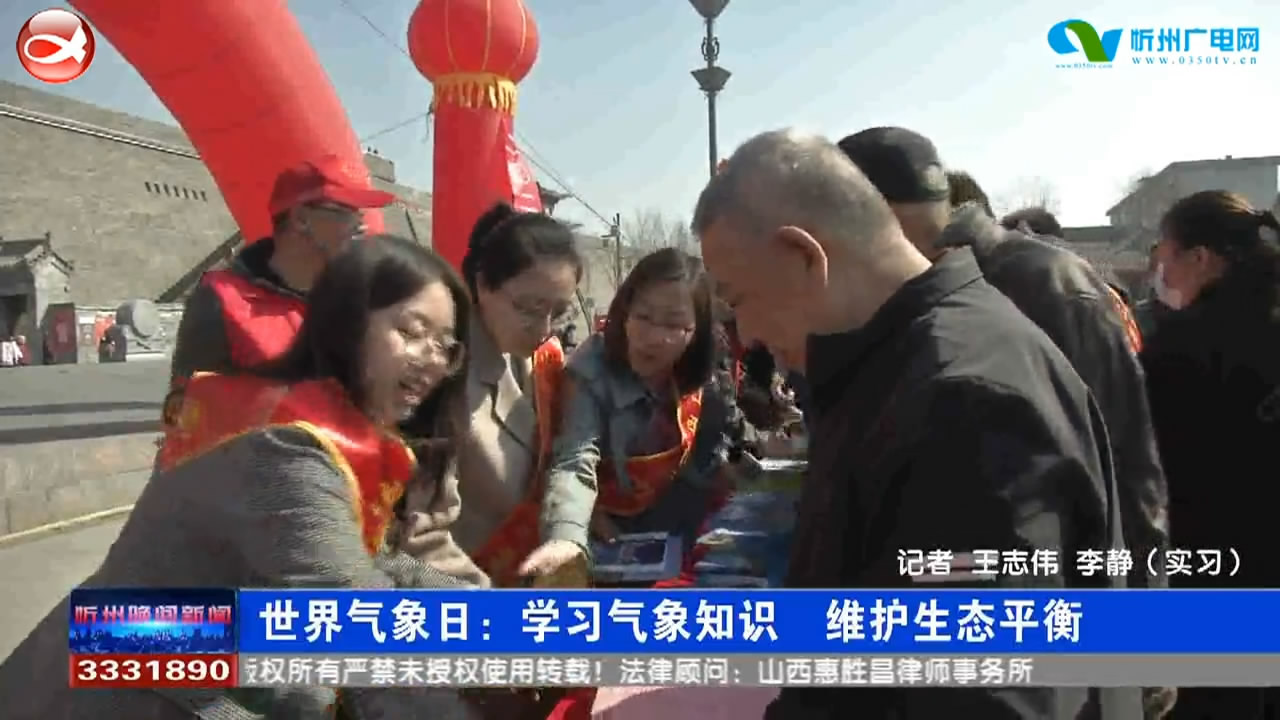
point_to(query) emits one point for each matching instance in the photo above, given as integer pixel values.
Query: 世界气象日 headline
(754, 621)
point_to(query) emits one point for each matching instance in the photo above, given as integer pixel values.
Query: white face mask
(1169, 296)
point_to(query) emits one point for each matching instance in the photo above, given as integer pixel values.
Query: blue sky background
(610, 106)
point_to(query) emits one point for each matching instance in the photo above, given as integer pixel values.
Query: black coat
(1213, 375)
(949, 421)
(1150, 313)
(1070, 301)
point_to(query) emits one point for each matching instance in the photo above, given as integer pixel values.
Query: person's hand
(549, 558)
(780, 392)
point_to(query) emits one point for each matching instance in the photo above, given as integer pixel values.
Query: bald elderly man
(942, 417)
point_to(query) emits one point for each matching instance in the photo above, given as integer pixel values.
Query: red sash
(650, 475)
(1131, 330)
(218, 408)
(517, 536)
(260, 323)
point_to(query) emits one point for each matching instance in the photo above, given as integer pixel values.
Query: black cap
(903, 165)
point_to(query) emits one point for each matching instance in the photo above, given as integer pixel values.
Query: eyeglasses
(442, 350)
(534, 315)
(449, 350)
(353, 219)
(681, 330)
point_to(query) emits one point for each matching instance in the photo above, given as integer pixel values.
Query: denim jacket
(605, 410)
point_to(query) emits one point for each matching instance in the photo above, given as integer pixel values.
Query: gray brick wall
(133, 219)
(57, 105)
(128, 241)
(91, 192)
(49, 482)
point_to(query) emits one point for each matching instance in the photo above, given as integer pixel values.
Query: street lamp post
(711, 78)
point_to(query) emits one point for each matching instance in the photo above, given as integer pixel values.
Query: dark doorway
(15, 316)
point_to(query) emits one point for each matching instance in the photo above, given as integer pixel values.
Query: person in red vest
(248, 314)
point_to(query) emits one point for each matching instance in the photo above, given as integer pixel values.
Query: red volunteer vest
(260, 323)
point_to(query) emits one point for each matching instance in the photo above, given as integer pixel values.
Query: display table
(744, 544)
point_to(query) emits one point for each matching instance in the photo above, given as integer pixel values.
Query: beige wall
(127, 200)
(132, 215)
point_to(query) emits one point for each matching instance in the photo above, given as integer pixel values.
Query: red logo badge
(55, 46)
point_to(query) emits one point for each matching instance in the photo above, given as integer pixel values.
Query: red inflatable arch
(243, 82)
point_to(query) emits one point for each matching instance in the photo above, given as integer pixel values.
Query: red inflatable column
(474, 52)
(245, 85)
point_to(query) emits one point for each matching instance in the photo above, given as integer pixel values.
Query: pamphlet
(637, 558)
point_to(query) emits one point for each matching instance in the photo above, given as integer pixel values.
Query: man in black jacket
(1058, 291)
(943, 417)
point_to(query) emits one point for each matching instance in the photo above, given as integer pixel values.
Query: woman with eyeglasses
(633, 455)
(287, 476)
(639, 445)
(522, 272)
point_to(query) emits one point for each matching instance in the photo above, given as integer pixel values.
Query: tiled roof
(15, 251)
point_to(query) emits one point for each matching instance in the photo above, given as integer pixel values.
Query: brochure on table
(637, 558)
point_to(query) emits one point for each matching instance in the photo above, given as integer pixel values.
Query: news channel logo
(1152, 46)
(184, 620)
(56, 46)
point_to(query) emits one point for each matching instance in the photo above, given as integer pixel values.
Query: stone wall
(50, 482)
(77, 439)
(51, 285)
(410, 217)
(126, 200)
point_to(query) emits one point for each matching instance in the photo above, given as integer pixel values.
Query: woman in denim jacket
(641, 445)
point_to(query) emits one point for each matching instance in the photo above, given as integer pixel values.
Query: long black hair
(1248, 240)
(375, 272)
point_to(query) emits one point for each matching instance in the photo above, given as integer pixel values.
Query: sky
(611, 110)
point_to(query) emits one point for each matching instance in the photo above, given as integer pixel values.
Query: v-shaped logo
(1096, 49)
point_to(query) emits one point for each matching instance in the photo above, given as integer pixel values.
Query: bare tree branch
(648, 230)
(681, 236)
(644, 229)
(642, 233)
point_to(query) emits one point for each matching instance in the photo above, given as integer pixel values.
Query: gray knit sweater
(269, 509)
